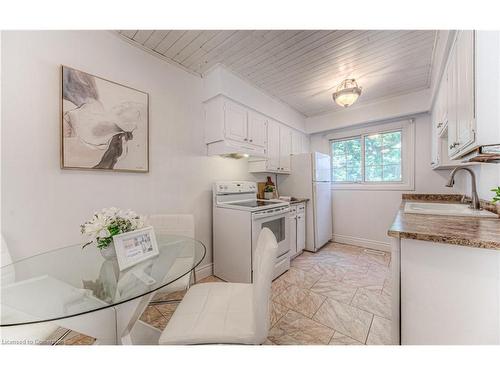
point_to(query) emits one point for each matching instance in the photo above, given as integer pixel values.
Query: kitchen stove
(238, 219)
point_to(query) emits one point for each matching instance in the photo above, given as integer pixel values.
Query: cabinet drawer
(282, 265)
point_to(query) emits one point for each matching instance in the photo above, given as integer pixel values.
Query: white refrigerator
(311, 178)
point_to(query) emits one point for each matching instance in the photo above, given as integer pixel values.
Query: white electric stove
(238, 217)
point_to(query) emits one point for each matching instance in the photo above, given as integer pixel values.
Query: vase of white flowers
(107, 223)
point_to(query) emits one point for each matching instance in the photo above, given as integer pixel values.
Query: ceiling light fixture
(347, 93)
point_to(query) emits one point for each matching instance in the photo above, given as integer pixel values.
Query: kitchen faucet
(475, 199)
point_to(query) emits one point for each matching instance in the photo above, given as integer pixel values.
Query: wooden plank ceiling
(303, 67)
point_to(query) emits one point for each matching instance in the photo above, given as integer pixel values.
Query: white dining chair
(26, 333)
(180, 225)
(227, 313)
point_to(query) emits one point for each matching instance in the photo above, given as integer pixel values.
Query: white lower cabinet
(292, 230)
(297, 229)
(449, 294)
(301, 227)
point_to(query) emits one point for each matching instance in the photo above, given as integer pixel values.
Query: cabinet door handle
(246, 139)
(251, 140)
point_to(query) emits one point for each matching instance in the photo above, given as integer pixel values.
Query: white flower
(97, 226)
(103, 233)
(129, 214)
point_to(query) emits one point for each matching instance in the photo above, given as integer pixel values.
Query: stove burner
(259, 203)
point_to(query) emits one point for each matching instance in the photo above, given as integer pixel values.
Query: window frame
(407, 183)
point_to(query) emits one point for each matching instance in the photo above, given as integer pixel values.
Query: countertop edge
(460, 240)
(481, 244)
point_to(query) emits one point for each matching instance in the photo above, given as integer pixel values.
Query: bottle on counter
(269, 189)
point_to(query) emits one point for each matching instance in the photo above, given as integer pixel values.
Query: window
(346, 159)
(381, 157)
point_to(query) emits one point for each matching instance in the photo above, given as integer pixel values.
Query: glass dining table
(79, 289)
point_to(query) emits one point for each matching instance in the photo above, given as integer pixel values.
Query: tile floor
(338, 296)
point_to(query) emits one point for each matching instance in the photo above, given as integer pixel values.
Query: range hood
(235, 150)
(484, 154)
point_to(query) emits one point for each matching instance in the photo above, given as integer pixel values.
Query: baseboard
(363, 242)
(204, 271)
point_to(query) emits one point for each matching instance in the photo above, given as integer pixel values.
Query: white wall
(364, 113)
(487, 178)
(220, 80)
(365, 216)
(42, 205)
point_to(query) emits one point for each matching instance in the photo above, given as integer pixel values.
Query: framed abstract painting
(105, 125)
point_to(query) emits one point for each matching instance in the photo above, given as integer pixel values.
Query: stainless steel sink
(446, 209)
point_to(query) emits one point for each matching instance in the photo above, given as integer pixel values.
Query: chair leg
(164, 302)
(192, 276)
(62, 337)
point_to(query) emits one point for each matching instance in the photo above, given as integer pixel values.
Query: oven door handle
(270, 214)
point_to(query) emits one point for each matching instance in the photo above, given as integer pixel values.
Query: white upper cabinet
(285, 148)
(454, 125)
(434, 136)
(442, 115)
(272, 163)
(461, 104)
(466, 110)
(300, 143)
(235, 121)
(451, 72)
(465, 89)
(231, 128)
(296, 142)
(282, 141)
(257, 129)
(487, 88)
(305, 143)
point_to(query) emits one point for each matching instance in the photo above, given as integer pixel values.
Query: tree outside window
(370, 158)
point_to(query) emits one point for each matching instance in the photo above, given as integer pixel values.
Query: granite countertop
(455, 230)
(299, 200)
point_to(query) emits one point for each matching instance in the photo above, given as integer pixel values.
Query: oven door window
(277, 226)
